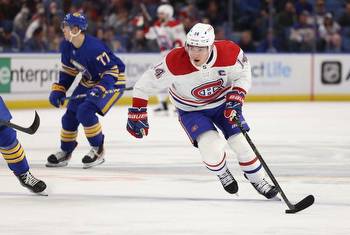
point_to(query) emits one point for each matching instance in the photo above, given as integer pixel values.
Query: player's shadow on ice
(79, 197)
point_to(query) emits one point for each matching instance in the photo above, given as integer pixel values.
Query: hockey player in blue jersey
(13, 152)
(102, 81)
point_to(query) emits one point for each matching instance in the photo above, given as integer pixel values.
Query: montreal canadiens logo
(208, 90)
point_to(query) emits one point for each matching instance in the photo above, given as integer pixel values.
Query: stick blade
(303, 204)
(35, 125)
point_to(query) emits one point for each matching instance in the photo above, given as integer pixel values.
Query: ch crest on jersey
(208, 90)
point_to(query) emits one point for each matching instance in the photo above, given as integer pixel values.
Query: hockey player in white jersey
(207, 81)
(169, 33)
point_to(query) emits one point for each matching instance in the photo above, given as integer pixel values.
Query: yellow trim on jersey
(58, 87)
(121, 76)
(110, 102)
(110, 73)
(69, 73)
(12, 150)
(69, 70)
(87, 83)
(120, 83)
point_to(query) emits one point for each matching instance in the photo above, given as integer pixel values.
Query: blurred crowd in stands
(256, 25)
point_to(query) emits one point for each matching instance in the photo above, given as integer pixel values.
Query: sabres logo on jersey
(208, 90)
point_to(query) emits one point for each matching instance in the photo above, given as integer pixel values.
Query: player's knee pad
(86, 114)
(212, 149)
(247, 159)
(7, 136)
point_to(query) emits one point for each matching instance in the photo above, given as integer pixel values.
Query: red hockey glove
(234, 102)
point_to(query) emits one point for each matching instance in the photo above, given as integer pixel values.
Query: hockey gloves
(137, 122)
(234, 102)
(95, 93)
(57, 95)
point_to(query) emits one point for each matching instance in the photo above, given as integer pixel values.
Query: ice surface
(158, 185)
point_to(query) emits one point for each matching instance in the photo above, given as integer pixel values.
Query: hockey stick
(106, 92)
(293, 208)
(29, 130)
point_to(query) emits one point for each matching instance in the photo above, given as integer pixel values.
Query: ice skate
(265, 189)
(94, 157)
(59, 159)
(162, 109)
(33, 184)
(228, 182)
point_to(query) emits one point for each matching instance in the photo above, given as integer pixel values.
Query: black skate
(59, 159)
(228, 182)
(94, 157)
(30, 182)
(265, 189)
(162, 109)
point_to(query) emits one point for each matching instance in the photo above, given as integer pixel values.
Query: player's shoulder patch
(227, 53)
(178, 62)
(158, 70)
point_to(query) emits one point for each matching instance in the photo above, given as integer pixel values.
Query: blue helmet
(76, 19)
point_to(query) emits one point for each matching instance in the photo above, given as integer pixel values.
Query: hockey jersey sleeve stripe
(87, 83)
(70, 71)
(121, 77)
(113, 72)
(139, 103)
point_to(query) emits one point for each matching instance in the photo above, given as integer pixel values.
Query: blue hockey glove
(57, 95)
(234, 102)
(95, 93)
(137, 122)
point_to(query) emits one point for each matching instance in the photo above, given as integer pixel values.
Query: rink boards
(25, 79)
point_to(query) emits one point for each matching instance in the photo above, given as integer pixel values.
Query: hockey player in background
(103, 82)
(169, 33)
(207, 83)
(13, 152)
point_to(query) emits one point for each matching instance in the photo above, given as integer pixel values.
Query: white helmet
(166, 9)
(200, 35)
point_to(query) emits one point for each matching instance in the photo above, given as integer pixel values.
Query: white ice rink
(158, 185)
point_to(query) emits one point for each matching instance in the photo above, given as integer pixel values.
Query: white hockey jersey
(194, 88)
(168, 35)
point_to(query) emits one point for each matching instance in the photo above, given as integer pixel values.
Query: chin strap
(72, 35)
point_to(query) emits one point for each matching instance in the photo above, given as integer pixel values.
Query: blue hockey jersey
(95, 61)
(5, 114)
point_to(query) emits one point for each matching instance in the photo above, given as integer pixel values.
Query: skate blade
(275, 198)
(92, 164)
(60, 164)
(43, 193)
